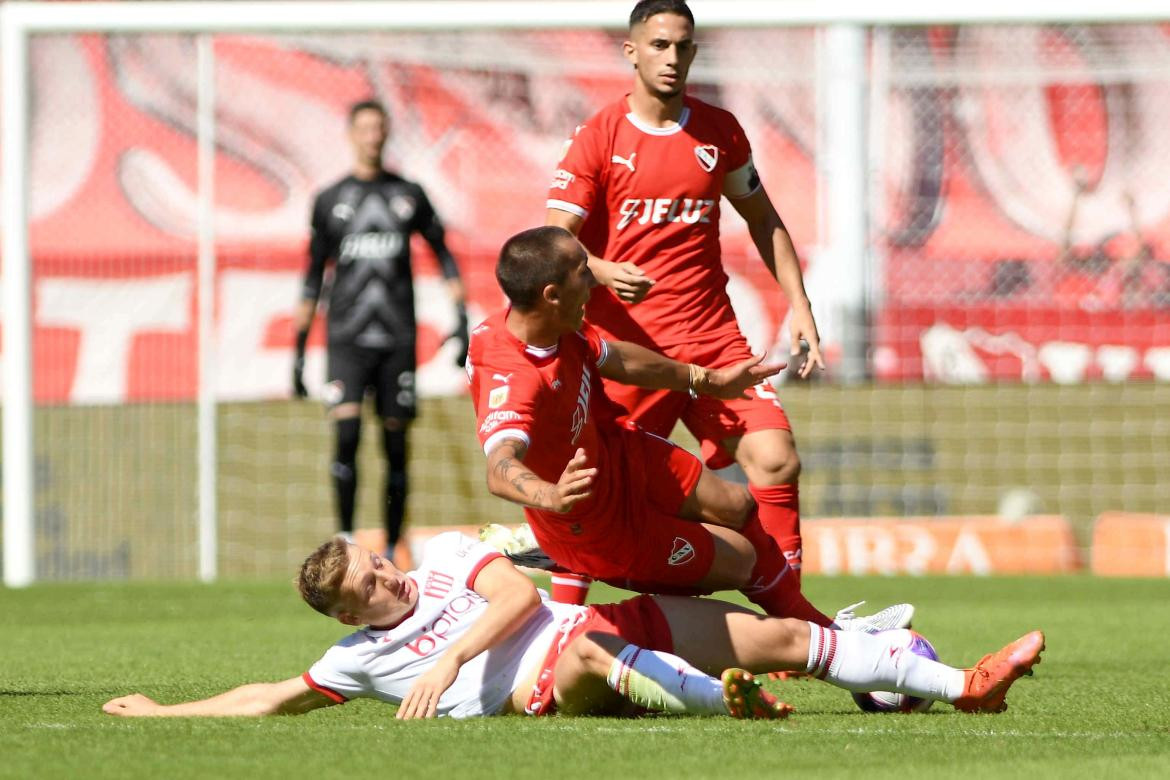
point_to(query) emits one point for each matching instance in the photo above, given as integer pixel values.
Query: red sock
(780, 515)
(570, 588)
(772, 585)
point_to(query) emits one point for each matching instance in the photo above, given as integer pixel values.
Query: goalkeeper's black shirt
(364, 227)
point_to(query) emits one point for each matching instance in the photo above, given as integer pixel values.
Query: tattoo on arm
(505, 468)
(511, 470)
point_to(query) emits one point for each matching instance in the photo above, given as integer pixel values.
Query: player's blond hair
(320, 579)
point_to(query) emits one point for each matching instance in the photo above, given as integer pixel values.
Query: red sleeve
(505, 400)
(577, 181)
(595, 344)
(739, 150)
(321, 689)
(479, 567)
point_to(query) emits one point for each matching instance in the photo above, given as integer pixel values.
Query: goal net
(994, 296)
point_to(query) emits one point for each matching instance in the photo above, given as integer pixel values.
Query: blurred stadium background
(998, 330)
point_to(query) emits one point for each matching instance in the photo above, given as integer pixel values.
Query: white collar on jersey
(540, 353)
(651, 130)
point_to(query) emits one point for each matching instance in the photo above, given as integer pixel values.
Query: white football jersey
(385, 664)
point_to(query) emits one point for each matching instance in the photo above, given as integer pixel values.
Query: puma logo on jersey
(617, 158)
(501, 377)
(661, 210)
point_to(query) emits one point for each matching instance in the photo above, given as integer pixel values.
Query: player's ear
(348, 619)
(630, 52)
(551, 294)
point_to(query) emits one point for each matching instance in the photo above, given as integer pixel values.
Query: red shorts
(709, 419)
(638, 620)
(637, 534)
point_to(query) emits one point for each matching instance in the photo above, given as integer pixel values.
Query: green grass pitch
(1098, 706)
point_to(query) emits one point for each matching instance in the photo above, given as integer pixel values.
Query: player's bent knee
(789, 635)
(595, 651)
(769, 457)
(735, 558)
(778, 468)
(739, 505)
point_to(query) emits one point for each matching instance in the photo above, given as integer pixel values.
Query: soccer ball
(888, 701)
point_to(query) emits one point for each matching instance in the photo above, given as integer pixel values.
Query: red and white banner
(977, 184)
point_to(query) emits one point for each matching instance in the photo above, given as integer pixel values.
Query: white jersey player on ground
(468, 634)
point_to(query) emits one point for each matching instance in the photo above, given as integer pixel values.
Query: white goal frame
(844, 22)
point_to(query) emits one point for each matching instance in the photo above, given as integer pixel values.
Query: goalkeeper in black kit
(362, 224)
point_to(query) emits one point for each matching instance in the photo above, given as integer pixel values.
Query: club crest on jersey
(681, 552)
(497, 397)
(708, 157)
(403, 206)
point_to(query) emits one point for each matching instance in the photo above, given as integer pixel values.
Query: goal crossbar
(351, 16)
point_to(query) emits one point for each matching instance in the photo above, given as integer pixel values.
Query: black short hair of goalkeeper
(531, 260)
(647, 8)
(366, 105)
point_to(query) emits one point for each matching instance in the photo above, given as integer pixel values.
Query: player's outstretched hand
(423, 699)
(460, 336)
(133, 706)
(803, 327)
(298, 378)
(575, 484)
(732, 382)
(628, 281)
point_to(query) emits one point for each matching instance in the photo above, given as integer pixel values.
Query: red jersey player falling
(641, 184)
(612, 501)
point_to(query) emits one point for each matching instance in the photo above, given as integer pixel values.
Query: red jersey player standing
(640, 184)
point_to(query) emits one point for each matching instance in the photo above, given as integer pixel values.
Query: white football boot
(897, 616)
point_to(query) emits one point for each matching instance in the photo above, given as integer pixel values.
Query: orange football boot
(986, 685)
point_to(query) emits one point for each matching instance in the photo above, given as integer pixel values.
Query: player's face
(374, 591)
(368, 133)
(574, 290)
(662, 49)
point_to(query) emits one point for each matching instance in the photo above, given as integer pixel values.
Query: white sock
(663, 682)
(858, 661)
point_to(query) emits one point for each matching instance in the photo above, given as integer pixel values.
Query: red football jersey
(549, 398)
(651, 196)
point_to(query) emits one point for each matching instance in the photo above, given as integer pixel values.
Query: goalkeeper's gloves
(298, 377)
(459, 335)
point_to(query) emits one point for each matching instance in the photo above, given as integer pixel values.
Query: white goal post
(844, 100)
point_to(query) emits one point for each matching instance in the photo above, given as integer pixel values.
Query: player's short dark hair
(647, 8)
(321, 574)
(366, 105)
(530, 260)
